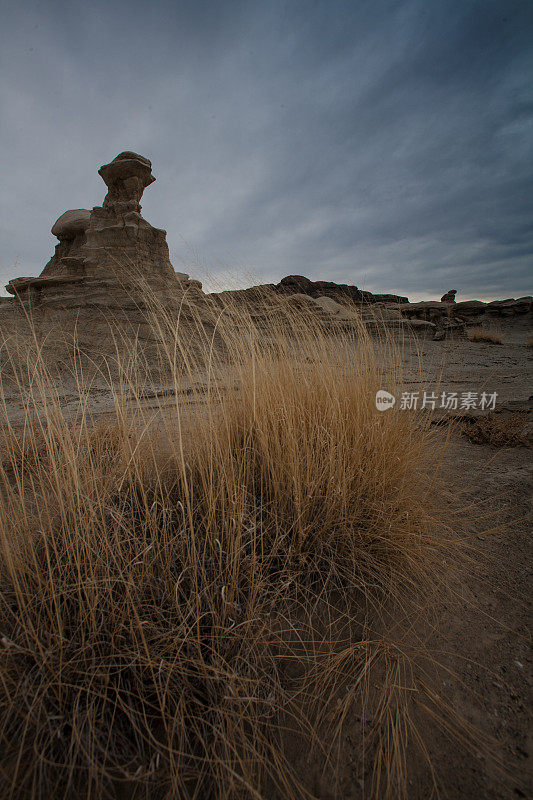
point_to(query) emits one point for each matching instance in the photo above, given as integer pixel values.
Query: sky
(382, 143)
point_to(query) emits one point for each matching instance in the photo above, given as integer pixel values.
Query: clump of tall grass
(480, 334)
(169, 570)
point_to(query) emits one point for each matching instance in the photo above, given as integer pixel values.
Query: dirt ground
(488, 643)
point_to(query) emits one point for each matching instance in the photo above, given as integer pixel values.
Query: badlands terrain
(110, 338)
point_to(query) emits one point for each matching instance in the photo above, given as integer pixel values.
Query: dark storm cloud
(386, 144)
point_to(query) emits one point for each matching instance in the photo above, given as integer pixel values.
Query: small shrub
(483, 335)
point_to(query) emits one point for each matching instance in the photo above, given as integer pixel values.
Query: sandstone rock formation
(341, 305)
(111, 272)
(452, 319)
(110, 266)
(298, 284)
(449, 297)
(71, 224)
(107, 255)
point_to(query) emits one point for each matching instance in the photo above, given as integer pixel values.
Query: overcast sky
(384, 143)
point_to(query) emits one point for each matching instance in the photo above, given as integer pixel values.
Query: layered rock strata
(110, 268)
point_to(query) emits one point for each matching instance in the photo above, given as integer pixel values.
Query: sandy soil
(487, 644)
(460, 365)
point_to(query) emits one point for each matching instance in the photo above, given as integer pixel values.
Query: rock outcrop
(110, 267)
(449, 297)
(107, 256)
(452, 319)
(71, 224)
(298, 284)
(468, 309)
(342, 305)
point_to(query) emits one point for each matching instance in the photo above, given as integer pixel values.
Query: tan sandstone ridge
(110, 271)
(340, 304)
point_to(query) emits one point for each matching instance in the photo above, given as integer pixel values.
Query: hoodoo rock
(449, 297)
(126, 178)
(110, 251)
(110, 266)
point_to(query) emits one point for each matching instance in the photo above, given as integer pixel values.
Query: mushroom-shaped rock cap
(127, 165)
(71, 224)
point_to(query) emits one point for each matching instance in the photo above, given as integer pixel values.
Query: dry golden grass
(485, 335)
(169, 575)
